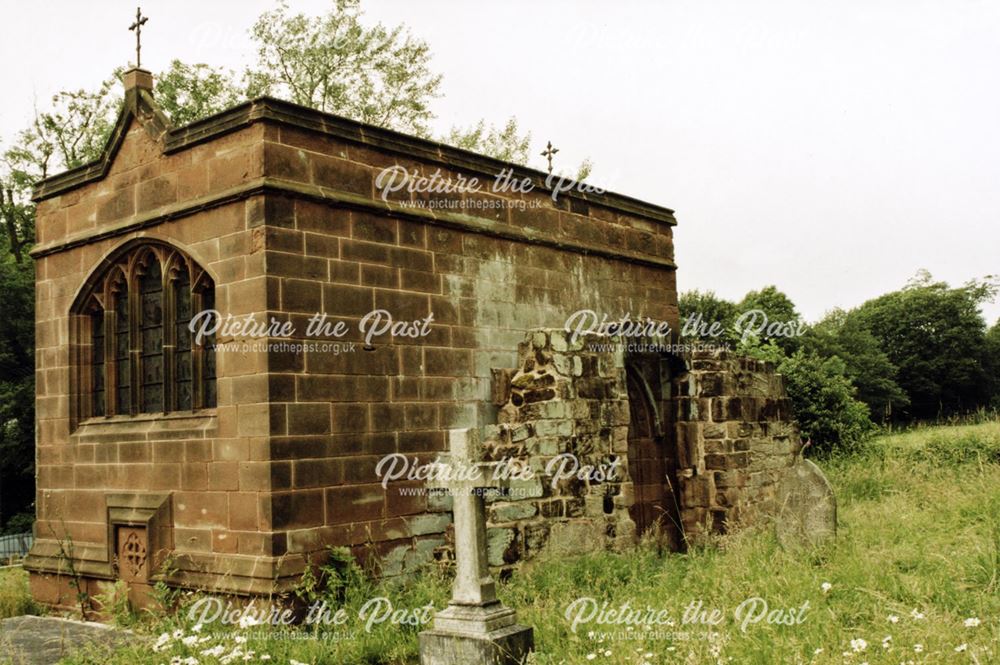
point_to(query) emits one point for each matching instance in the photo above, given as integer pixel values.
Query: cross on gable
(549, 153)
(136, 27)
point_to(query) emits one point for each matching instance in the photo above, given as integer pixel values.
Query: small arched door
(652, 464)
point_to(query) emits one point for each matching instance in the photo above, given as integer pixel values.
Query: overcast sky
(830, 148)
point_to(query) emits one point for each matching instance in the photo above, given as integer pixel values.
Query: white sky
(830, 148)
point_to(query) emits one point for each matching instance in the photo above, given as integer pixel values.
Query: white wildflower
(240, 639)
(918, 648)
(190, 640)
(972, 622)
(818, 651)
(961, 647)
(161, 643)
(196, 628)
(607, 653)
(917, 616)
(214, 652)
(591, 656)
(892, 618)
(826, 586)
(247, 621)
(858, 645)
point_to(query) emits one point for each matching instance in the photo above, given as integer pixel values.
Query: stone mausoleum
(228, 463)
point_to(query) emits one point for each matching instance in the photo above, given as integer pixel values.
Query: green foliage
(971, 447)
(936, 336)
(336, 63)
(777, 307)
(822, 397)
(19, 523)
(113, 603)
(191, 92)
(991, 363)
(17, 387)
(333, 580)
(700, 310)
(15, 596)
(71, 132)
(865, 363)
(506, 143)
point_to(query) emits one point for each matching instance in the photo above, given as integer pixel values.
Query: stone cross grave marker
(475, 628)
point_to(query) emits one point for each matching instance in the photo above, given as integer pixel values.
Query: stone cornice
(280, 112)
(342, 199)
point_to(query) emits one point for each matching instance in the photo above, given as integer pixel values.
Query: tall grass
(917, 558)
(15, 597)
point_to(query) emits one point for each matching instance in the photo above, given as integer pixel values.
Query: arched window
(139, 355)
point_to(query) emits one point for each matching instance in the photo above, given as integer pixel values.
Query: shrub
(822, 397)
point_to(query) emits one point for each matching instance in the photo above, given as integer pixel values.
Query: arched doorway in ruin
(652, 459)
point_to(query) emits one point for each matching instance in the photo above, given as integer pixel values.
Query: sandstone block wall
(279, 205)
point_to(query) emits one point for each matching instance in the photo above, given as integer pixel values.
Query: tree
(936, 336)
(17, 386)
(778, 310)
(72, 132)
(822, 395)
(992, 363)
(823, 400)
(191, 92)
(506, 143)
(699, 310)
(867, 366)
(337, 64)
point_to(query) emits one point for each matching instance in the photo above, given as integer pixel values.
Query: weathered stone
(807, 507)
(34, 640)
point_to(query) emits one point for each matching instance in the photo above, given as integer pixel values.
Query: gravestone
(807, 507)
(475, 628)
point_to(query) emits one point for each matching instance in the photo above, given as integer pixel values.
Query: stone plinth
(467, 635)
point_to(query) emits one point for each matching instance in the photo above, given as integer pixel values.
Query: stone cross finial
(475, 627)
(136, 27)
(549, 152)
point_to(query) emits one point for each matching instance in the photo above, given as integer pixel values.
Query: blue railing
(15, 545)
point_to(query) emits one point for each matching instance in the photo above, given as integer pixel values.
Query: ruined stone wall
(735, 439)
(566, 416)
(726, 428)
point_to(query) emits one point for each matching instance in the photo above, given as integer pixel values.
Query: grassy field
(914, 577)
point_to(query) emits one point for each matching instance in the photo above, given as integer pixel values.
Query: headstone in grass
(475, 628)
(807, 507)
(31, 640)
